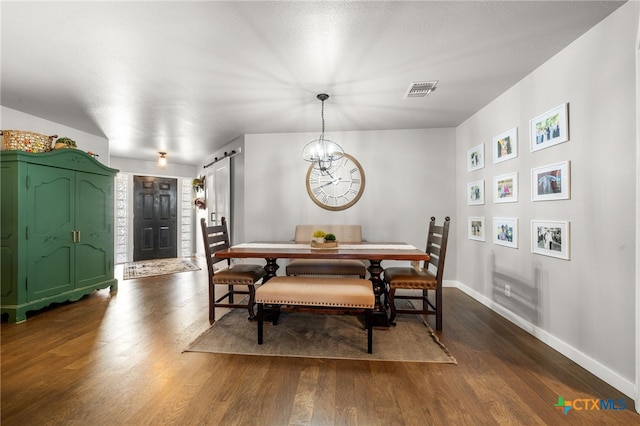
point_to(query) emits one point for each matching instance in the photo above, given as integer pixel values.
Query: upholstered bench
(317, 294)
(347, 234)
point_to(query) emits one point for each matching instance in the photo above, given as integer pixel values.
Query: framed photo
(475, 158)
(505, 231)
(505, 146)
(476, 228)
(475, 193)
(552, 182)
(550, 238)
(505, 188)
(550, 128)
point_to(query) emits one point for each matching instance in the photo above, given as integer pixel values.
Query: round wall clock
(338, 188)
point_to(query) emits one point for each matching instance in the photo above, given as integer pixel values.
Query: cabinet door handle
(78, 240)
(73, 236)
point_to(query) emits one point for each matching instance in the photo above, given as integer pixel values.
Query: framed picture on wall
(550, 238)
(551, 182)
(505, 231)
(550, 128)
(505, 188)
(475, 158)
(476, 228)
(475, 193)
(505, 146)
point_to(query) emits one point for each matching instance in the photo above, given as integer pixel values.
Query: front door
(154, 218)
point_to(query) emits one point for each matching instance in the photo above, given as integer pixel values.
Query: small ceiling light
(162, 159)
(322, 152)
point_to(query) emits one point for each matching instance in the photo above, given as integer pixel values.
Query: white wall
(410, 176)
(637, 400)
(584, 307)
(12, 119)
(150, 168)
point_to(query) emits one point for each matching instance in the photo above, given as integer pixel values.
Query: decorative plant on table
(330, 238)
(319, 236)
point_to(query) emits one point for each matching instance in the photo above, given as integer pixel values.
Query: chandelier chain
(322, 115)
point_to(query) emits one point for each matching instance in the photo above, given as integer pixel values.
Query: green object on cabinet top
(64, 158)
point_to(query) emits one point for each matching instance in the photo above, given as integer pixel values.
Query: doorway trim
(124, 214)
(637, 384)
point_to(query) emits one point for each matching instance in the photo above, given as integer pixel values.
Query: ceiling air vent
(421, 89)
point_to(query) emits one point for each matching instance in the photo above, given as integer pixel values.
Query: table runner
(341, 246)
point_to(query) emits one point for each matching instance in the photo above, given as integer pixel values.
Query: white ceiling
(188, 77)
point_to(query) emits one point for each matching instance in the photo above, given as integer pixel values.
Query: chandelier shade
(321, 152)
(162, 159)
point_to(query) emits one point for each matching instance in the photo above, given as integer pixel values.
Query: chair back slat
(216, 237)
(437, 238)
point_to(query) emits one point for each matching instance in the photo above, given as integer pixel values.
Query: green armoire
(56, 229)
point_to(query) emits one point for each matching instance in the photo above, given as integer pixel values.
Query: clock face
(338, 188)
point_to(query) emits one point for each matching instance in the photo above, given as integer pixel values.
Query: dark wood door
(154, 218)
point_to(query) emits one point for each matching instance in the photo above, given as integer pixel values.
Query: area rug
(149, 268)
(324, 336)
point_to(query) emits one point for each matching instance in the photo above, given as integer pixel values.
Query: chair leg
(369, 320)
(212, 304)
(260, 322)
(392, 305)
(439, 309)
(230, 292)
(252, 298)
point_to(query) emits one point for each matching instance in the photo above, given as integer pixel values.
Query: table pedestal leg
(271, 267)
(380, 314)
(269, 313)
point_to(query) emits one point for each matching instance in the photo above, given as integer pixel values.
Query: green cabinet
(56, 229)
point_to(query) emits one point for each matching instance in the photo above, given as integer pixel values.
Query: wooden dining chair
(427, 278)
(243, 275)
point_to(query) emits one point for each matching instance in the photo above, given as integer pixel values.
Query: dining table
(374, 253)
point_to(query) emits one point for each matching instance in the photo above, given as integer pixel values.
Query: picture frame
(475, 158)
(505, 188)
(550, 128)
(475, 193)
(551, 238)
(475, 228)
(551, 182)
(505, 231)
(505, 146)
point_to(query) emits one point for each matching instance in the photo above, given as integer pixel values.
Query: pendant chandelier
(321, 152)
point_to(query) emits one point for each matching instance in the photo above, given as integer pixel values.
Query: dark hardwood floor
(116, 359)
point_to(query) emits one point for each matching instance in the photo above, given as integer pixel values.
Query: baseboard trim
(594, 367)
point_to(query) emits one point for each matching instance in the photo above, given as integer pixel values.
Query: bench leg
(260, 322)
(369, 321)
(275, 314)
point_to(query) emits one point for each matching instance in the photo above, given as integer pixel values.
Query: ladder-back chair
(216, 238)
(427, 279)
